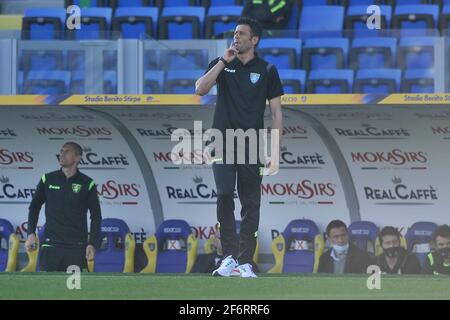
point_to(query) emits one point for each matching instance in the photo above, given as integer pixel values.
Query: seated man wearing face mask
(438, 262)
(395, 259)
(343, 257)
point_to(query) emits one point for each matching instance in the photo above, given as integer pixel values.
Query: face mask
(392, 251)
(340, 249)
(445, 253)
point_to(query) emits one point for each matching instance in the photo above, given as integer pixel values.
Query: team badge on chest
(254, 77)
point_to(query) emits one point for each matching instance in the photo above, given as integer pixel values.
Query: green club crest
(76, 188)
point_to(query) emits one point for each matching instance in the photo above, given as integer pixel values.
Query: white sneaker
(246, 271)
(227, 267)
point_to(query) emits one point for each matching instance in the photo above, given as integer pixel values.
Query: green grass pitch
(206, 287)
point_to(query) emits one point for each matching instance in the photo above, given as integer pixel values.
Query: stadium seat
(377, 81)
(47, 82)
(172, 249)
(184, 59)
(373, 53)
(116, 252)
(76, 60)
(284, 53)
(418, 81)
(416, 20)
(444, 21)
(293, 80)
(219, 20)
(174, 3)
(321, 21)
(182, 81)
(85, 3)
(364, 235)
(330, 81)
(356, 21)
(110, 60)
(220, 3)
(115, 4)
(110, 82)
(43, 24)
(77, 84)
(33, 256)
(406, 2)
(133, 22)
(151, 59)
(347, 3)
(416, 53)
(9, 247)
(295, 15)
(95, 23)
(308, 3)
(298, 248)
(38, 60)
(418, 238)
(325, 53)
(153, 81)
(181, 23)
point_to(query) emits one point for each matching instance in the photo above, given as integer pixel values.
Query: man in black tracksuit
(67, 194)
(244, 83)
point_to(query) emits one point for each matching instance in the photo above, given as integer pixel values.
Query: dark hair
(441, 231)
(335, 224)
(76, 146)
(255, 27)
(388, 231)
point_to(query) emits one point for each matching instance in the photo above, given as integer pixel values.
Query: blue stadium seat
(184, 59)
(182, 81)
(181, 23)
(41, 60)
(220, 3)
(418, 81)
(110, 82)
(43, 24)
(298, 248)
(330, 81)
(173, 248)
(282, 52)
(174, 3)
(364, 235)
(444, 21)
(373, 53)
(418, 238)
(134, 22)
(9, 247)
(220, 20)
(377, 81)
(95, 22)
(356, 21)
(416, 20)
(347, 3)
(293, 80)
(321, 21)
(47, 82)
(116, 252)
(115, 4)
(110, 60)
(407, 2)
(294, 18)
(85, 4)
(153, 81)
(416, 53)
(77, 84)
(325, 53)
(151, 59)
(76, 60)
(308, 3)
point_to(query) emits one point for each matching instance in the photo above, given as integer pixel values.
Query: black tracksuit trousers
(249, 180)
